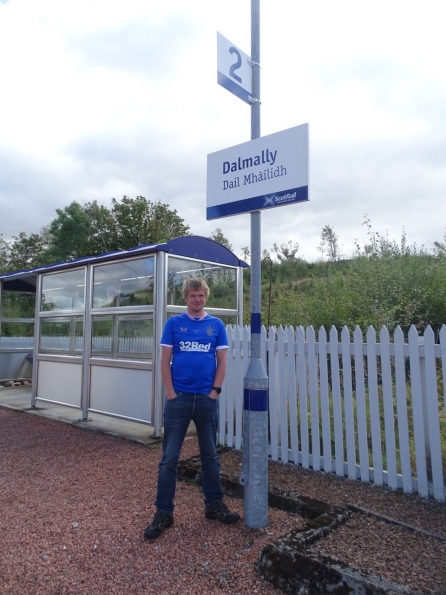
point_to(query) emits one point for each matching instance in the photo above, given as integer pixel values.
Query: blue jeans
(178, 413)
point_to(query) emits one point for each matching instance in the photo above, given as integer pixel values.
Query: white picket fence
(99, 344)
(16, 342)
(362, 408)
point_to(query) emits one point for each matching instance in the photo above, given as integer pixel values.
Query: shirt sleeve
(167, 337)
(222, 339)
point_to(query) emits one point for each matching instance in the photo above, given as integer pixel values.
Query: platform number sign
(234, 71)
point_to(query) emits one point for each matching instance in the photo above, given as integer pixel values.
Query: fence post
(424, 400)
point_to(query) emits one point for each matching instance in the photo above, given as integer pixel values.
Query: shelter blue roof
(197, 247)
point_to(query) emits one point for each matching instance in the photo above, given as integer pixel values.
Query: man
(193, 366)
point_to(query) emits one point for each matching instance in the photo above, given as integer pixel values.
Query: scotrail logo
(269, 201)
(274, 200)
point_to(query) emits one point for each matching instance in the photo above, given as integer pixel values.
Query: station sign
(234, 70)
(264, 173)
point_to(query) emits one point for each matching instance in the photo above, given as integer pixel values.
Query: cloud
(30, 190)
(147, 160)
(368, 68)
(145, 46)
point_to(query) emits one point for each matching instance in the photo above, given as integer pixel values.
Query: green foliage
(246, 254)
(102, 234)
(17, 329)
(93, 229)
(4, 254)
(443, 437)
(286, 251)
(18, 305)
(397, 284)
(385, 283)
(218, 236)
(440, 247)
(69, 234)
(140, 221)
(321, 302)
(329, 245)
(27, 252)
(290, 272)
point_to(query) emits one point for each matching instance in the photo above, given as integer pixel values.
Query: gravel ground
(414, 558)
(74, 504)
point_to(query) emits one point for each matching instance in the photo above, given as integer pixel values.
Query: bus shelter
(93, 338)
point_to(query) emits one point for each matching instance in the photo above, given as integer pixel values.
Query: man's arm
(166, 371)
(220, 372)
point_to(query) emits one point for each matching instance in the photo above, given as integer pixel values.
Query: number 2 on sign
(236, 65)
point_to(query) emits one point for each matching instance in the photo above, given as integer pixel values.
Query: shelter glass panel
(122, 336)
(222, 282)
(62, 334)
(63, 291)
(122, 284)
(18, 305)
(17, 335)
(102, 336)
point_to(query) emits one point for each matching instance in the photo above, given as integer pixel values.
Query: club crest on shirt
(209, 330)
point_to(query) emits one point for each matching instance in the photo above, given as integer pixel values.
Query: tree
(28, 251)
(69, 233)
(218, 236)
(102, 232)
(329, 245)
(140, 221)
(94, 229)
(440, 247)
(246, 253)
(286, 251)
(79, 230)
(4, 254)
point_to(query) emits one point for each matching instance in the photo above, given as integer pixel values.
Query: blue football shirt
(194, 344)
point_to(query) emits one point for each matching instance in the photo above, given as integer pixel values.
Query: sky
(100, 99)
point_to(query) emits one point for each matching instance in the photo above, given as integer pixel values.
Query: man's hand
(213, 394)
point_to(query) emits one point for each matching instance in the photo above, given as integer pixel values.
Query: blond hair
(195, 284)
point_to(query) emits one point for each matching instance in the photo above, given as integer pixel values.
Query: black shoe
(220, 512)
(161, 521)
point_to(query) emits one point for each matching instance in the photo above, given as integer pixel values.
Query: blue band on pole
(256, 323)
(255, 400)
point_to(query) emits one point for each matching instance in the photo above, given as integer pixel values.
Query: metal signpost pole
(254, 476)
(266, 172)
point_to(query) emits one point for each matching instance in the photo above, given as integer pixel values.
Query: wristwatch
(217, 389)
